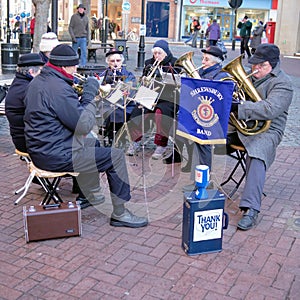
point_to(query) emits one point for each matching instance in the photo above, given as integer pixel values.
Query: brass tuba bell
(244, 83)
(185, 61)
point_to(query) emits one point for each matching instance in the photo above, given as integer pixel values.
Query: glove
(90, 88)
(234, 107)
(74, 40)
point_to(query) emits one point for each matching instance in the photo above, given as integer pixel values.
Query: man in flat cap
(275, 89)
(28, 66)
(78, 29)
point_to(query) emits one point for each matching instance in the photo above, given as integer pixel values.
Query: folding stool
(239, 155)
(48, 180)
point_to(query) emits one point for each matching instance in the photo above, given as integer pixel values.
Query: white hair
(159, 49)
(215, 59)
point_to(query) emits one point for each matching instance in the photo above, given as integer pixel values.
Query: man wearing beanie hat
(78, 29)
(275, 89)
(164, 108)
(56, 126)
(48, 42)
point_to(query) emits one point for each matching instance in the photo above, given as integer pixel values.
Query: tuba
(185, 61)
(244, 84)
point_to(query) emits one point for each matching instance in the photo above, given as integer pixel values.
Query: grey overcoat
(277, 93)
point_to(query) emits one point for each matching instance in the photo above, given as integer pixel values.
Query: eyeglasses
(115, 60)
(262, 65)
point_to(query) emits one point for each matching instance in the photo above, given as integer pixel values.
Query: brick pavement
(148, 263)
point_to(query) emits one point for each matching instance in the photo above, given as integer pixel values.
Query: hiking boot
(133, 148)
(128, 219)
(248, 220)
(93, 199)
(159, 152)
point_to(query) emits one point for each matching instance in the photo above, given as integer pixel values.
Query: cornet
(104, 90)
(147, 79)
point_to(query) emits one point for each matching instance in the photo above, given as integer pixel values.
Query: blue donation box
(203, 223)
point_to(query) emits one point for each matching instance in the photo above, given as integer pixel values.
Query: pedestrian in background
(213, 33)
(256, 36)
(78, 29)
(245, 27)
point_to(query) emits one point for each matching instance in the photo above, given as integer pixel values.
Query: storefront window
(224, 16)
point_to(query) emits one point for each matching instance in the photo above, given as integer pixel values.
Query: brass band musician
(212, 59)
(161, 61)
(115, 73)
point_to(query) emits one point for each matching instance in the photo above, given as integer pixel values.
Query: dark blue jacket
(15, 108)
(56, 123)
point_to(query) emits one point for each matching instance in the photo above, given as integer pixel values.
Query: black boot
(177, 157)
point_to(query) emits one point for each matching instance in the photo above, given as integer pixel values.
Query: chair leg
(51, 193)
(25, 187)
(241, 161)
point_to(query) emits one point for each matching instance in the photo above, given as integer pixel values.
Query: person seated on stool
(117, 72)
(164, 109)
(28, 67)
(276, 91)
(211, 69)
(56, 125)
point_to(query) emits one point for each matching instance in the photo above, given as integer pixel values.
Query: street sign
(126, 6)
(142, 29)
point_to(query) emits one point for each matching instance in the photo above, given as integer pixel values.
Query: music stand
(172, 85)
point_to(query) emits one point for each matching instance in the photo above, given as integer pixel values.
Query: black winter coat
(15, 108)
(56, 123)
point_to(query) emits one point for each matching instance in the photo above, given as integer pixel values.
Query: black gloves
(90, 88)
(234, 107)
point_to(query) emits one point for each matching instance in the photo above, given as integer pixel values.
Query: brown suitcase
(42, 222)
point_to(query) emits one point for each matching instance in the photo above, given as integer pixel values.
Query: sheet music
(146, 97)
(169, 79)
(116, 96)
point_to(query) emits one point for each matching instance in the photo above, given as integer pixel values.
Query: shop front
(208, 10)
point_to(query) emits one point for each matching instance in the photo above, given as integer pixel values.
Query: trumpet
(154, 67)
(104, 90)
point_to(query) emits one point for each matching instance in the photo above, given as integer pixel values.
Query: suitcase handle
(49, 206)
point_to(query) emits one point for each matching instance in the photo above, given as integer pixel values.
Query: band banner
(204, 110)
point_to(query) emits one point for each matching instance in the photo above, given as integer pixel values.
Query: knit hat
(30, 59)
(162, 44)
(215, 51)
(265, 52)
(48, 42)
(63, 55)
(113, 51)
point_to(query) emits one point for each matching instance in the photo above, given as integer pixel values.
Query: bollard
(25, 43)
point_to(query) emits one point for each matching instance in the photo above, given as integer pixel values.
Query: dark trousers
(244, 45)
(91, 161)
